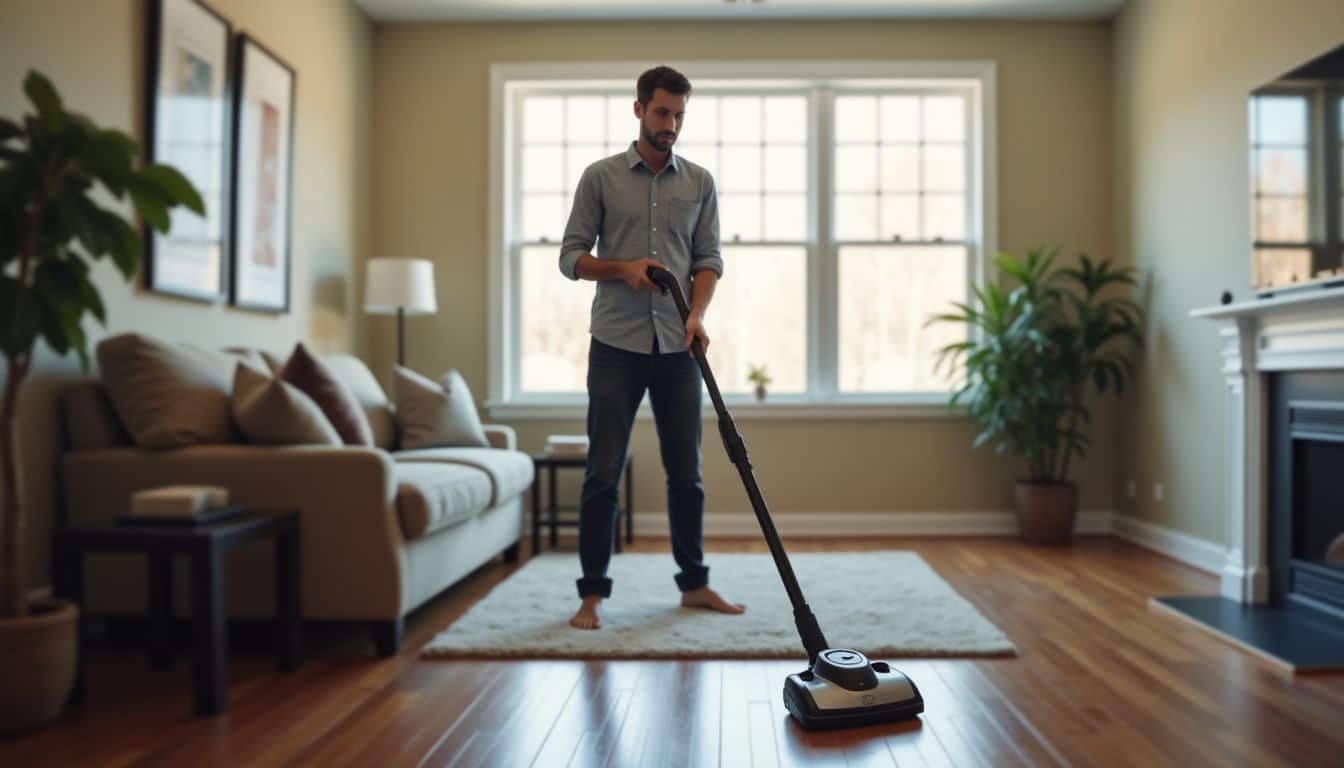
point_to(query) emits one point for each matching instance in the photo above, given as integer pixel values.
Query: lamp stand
(401, 337)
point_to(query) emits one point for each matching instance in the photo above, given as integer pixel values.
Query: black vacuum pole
(808, 629)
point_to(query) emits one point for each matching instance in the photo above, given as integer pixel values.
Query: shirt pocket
(683, 214)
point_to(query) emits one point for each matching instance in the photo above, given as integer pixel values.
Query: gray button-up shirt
(632, 213)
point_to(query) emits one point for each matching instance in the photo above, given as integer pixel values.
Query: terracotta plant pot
(1046, 511)
(37, 663)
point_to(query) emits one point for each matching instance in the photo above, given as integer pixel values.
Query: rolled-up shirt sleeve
(705, 242)
(585, 221)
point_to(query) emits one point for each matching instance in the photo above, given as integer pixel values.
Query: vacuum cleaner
(840, 688)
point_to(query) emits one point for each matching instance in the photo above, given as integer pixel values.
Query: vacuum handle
(808, 629)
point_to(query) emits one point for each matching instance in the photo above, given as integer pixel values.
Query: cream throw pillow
(273, 412)
(436, 413)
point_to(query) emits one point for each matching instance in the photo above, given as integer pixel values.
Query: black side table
(551, 464)
(205, 545)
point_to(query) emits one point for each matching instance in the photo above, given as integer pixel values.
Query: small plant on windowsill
(1034, 354)
(757, 375)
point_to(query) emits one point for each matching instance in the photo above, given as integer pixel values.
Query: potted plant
(756, 374)
(52, 233)
(1031, 359)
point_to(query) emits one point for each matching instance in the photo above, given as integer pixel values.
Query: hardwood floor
(1099, 680)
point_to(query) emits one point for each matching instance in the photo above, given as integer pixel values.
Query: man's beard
(660, 144)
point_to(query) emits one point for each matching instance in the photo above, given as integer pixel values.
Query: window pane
(579, 157)
(785, 217)
(900, 118)
(702, 120)
(855, 217)
(855, 169)
(760, 318)
(786, 119)
(544, 218)
(622, 126)
(741, 119)
(944, 169)
(900, 217)
(900, 168)
(703, 155)
(785, 169)
(944, 118)
(1280, 266)
(1282, 171)
(739, 217)
(543, 170)
(1282, 120)
(856, 118)
(553, 338)
(543, 118)
(1281, 220)
(585, 119)
(741, 171)
(887, 293)
(944, 217)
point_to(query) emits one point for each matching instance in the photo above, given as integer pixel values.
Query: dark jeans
(617, 380)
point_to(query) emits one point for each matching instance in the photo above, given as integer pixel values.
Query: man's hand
(636, 274)
(695, 329)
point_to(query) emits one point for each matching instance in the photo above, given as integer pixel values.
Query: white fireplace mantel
(1295, 332)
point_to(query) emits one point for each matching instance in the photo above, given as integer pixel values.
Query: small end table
(551, 463)
(205, 544)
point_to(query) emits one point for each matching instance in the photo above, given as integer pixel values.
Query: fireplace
(1306, 484)
(1282, 581)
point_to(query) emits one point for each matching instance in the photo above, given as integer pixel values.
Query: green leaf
(151, 209)
(174, 186)
(23, 324)
(44, 97)
(128, 250)
(9, 129)
(106, 161)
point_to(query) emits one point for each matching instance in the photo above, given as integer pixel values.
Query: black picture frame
(188, 120)
(259, 256)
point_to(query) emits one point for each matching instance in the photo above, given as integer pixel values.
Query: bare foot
(704, 597)
(588, 616)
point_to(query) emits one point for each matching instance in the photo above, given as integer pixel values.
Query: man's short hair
(667, 78)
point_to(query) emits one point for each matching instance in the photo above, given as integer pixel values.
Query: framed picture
(188, 98)
(263, 127)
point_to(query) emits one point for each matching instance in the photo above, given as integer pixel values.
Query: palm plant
(52, 231)
(1035, 352)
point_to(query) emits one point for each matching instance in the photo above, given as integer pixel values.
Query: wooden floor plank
(1098, 679)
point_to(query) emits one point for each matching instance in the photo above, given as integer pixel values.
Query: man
(645, 207)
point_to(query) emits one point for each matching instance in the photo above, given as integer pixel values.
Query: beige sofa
(382, 530)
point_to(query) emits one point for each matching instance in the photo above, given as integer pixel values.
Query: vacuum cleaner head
(844, 689)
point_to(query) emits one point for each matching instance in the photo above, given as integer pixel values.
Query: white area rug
(885, 604)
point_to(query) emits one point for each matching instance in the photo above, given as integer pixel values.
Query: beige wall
(93, 50)
(1183, 71)
(431, 91)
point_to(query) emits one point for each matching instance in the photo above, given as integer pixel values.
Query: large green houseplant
(1034, 354)
(55, 166)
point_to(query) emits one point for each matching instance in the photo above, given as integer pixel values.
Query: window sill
(934, 407)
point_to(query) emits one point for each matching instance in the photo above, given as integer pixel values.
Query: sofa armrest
(501, 436)
(354, 555)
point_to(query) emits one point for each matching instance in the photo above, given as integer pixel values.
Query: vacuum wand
(808, 629)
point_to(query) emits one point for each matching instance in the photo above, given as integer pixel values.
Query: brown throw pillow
(337, 402)
(436, 413)
(168, 395)
(273, 412)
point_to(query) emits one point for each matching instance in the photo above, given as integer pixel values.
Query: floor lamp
(400, 287)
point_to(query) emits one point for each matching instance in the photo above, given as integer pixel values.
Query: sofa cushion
(169, 395)
(89, 422)
(356, 376)
(274, 412)
(510, 472)
(436, 413)
(431, 497)
(316, 379)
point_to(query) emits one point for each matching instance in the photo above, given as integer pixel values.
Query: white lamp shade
(406, 284)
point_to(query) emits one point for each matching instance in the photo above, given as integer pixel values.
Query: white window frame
(823, 401)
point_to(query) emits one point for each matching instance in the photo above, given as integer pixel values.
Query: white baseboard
(1182, 547)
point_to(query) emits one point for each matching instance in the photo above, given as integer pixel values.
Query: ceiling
(593, 10)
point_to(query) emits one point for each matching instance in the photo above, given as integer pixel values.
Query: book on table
(567, 445)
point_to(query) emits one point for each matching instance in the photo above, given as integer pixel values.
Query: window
(852, 207)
